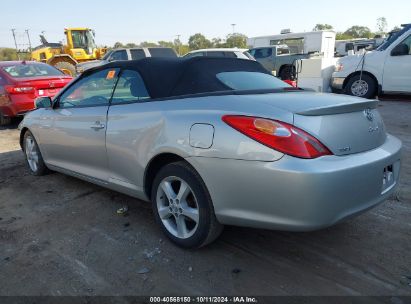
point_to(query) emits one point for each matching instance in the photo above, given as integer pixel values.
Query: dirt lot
(61, 236)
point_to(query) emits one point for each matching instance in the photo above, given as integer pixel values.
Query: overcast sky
(154, 20)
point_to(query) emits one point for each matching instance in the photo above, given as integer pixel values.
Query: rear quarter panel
(138, 132)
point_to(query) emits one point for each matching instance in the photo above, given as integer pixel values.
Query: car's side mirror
(401, 50)
(43, 102)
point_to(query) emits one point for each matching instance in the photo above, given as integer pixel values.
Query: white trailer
(322, 42)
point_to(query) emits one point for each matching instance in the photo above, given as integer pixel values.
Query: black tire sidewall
(203, 200)
(67, 66)
(372, 86)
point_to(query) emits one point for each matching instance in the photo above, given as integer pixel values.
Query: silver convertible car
(213, 142)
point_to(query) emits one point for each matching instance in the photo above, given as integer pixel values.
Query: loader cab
(80, 39)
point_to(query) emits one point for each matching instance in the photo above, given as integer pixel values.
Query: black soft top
(170, 77)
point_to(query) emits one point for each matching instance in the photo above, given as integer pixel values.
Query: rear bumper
(295, 194)
(17, 106)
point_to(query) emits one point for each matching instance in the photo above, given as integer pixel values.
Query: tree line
(199, 41)
(358, 31)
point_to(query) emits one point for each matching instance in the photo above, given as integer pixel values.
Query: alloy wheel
(32, 153)
(177, 207)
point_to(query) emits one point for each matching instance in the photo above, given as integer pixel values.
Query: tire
(287, 72)
(187, 219)
(34, 159)
(66, 67)
(365, 88)
(4, 120)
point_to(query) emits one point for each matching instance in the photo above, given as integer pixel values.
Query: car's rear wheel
(33, 155)
(4, 120)
(361, 86)
(183, 207)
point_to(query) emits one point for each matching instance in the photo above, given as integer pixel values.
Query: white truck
(386, 70)
(321, 42)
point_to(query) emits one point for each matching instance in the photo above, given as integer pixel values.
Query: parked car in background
(127, 54)
(21, 82)
(278, 60)
(221, 52)
(216, 141)
(384, 70)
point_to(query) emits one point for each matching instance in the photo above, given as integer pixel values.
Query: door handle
(98, 126)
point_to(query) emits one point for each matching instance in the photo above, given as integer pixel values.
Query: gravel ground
(62, 236)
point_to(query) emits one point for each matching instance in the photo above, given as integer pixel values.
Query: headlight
(339, 67)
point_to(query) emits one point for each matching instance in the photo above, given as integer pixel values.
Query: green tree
(357, 31)
(343, 36)
(322, 27)
(382, 25)
(7, 54)
(130, 45)
(199, 41)
(217, 43)
(236, 40)
(148, 44)
(168, 44)
(118, 45)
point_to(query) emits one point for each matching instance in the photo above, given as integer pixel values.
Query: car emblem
(369, 114)
(51, 84)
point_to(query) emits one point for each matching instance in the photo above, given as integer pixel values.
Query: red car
(22, 82)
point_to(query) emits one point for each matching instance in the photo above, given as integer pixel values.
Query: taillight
(18, 90)
(279, 136)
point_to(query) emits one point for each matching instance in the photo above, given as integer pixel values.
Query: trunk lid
(43, 86)
(345, 124)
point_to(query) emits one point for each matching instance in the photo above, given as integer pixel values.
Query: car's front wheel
(33, 155)
(362, 86)
(183, 207)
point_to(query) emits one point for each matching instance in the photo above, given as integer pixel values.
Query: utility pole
(178, 46)
(15, 42)
(233, 25)
(28, 37)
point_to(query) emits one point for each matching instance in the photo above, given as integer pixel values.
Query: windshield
(83, 40)
(393, 37)
(107, 55)
(251, 81)
(31, 70)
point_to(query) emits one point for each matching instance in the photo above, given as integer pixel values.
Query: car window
(215, 54)
(137, 54)
(230, 55)
(283, 51)
(262, 53)
(162, 52)
(248, 55)
(31, 70)
(119, 55)
(250, 81)
(130, 88)
(407, 42)
(92, 90)
(196, 54)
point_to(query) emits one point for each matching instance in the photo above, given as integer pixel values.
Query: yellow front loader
(80, 47)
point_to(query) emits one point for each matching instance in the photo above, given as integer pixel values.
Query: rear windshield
(31, 70)
(162, 52)
(251, 81)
